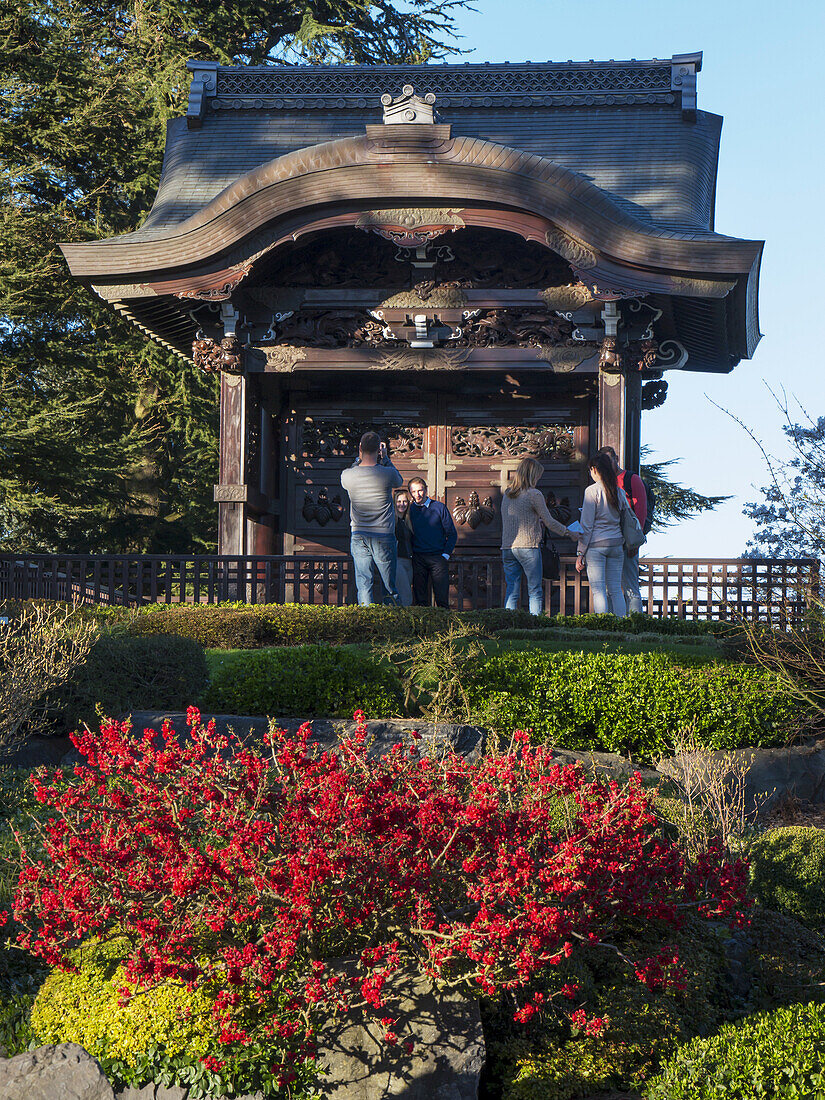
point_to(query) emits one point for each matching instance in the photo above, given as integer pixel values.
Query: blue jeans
(373, 550)
(604, 574)
(630, 583)
(527, 559)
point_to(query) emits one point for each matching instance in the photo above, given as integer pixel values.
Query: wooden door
(460, 448)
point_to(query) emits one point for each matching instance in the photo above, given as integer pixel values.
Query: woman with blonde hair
(524, 514)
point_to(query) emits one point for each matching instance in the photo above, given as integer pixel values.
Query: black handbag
(550, 564)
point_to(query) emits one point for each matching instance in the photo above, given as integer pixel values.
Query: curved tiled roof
(394, 163)
(613, 154)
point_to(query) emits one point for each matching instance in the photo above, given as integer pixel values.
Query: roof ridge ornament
(408, 107)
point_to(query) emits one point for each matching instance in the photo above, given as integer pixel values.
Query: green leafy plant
(434, 670)
(311, 681)
(777, 1055)
(166, 1034)
(123, 673)
(788, 873)
(631, 703)
(643, 1026)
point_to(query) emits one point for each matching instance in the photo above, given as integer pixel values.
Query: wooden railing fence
(775, 590)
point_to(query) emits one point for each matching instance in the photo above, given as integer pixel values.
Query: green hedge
(787, 871)
(631, 703)
(257, 626)
(123, 673)
(309, 682)
(776, 1055)
(638, 623)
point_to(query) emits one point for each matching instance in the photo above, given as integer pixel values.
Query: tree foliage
(108, 442)
(674, 502)
(790, 519)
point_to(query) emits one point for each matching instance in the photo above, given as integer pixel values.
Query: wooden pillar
(231, 491)
(612, 412)
(633, 421)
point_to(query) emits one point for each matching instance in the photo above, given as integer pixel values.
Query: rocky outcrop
(466, 740)
(771, 775)
(66, 1072)
(445, 1062)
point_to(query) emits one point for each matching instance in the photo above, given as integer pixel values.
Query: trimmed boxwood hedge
(778, 1055)
(632, 704)
(787, 872)
(305, 682)
(257, 626)
(124, 673)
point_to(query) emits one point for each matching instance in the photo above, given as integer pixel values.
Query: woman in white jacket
(601, 546)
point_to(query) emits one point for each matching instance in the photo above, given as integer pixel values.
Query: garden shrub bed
(253, 626)
(632, 704)
(510, 875)
(778, 1055)
(124, 673)
(551, 1061)
(787, 871)
(310, 681)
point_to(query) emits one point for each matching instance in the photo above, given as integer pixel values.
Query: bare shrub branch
(40, 647)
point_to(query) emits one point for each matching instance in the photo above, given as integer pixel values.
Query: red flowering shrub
(247, 872)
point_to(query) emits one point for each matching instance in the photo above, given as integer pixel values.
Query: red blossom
(244, 870)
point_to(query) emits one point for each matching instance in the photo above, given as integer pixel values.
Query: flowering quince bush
(247, 872)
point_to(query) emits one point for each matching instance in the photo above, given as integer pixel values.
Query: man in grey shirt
(369, 483)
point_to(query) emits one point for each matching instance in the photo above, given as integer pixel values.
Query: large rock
(771, 775)
(467, 740)
(606, 765)
(64, 1072)
(445, 1062)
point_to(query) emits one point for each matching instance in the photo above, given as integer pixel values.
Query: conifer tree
(107, 441)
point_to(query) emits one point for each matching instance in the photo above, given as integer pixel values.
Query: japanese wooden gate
(472, 300)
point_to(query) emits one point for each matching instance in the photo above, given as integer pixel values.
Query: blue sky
(763, 72)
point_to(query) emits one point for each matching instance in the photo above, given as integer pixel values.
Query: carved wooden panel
(553, 441)
(466, 448)
(339, 438)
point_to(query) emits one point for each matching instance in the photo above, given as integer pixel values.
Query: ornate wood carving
(282, 358)
(431, 359)
(212, 356)
(610, 357)
(654, 394)
(554, 441)
(574, 251)
(323, 509)
(649, 355)
(325, 439)
(230, 493)
(475, 513)
(410, 228)
(524, 328)
(475, 258)
(345, 258)
(333, 328)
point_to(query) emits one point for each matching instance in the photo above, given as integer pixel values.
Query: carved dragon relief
(485, 328)
(213, 356)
